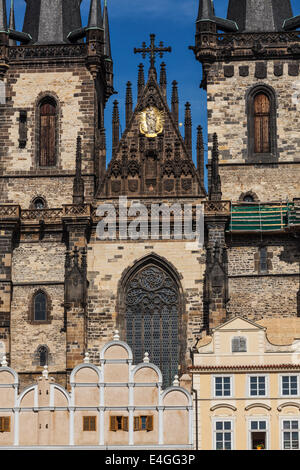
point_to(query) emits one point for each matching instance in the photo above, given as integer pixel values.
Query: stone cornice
(222, 47)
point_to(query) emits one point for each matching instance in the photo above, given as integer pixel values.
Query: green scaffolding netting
(262, 217)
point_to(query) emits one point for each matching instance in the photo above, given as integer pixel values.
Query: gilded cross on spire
(152, 50)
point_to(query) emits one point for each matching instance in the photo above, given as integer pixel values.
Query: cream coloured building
(246, 389)
(116, 405)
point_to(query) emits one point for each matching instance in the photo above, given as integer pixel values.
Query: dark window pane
(43, 356)
(40, 307)
(152, 312)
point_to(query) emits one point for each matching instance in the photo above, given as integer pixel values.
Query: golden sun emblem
(151, 122)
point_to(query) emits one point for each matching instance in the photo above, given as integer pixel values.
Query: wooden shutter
(243, 344)
(125, 423)
(89, 423)
(262, 124)
(136, 423)
(113, 423)
(93, 423)
(235, 344)
(86, 423)
(5, 424)
(48, 134)
(149, 423)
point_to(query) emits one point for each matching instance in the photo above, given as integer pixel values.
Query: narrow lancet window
(262, 124)
(47, 137)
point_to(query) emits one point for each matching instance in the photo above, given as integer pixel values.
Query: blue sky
(173, 22)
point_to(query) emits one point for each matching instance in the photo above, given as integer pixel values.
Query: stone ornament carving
(116, 186)
(151, 122)
(133, 185)
(186, 184)
(169, 185)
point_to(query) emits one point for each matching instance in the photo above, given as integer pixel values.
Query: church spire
(12, 23)
(215, 193)
(107, 43)
(3, 17)
(141, 80)
(259, 15)
(163, 79)
(200, 154)
(78, 185)
(175, 102)
(206, 10)
(51, 22)
(188, 128)
(95, 15)
(115, 127)
(206, 13)
(129, 103)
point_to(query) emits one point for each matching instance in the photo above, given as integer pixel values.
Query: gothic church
(64, 291)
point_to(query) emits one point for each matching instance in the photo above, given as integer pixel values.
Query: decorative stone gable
(152, 158)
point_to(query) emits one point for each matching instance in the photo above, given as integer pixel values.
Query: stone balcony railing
(217, 207)
(43, 51)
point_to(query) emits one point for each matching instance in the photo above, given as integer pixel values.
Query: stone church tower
(250, 65)
(65, 284)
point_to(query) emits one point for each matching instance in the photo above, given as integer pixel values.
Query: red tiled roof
(246, 367)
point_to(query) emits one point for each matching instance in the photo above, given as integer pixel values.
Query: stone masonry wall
(74, 91)
(37, 266)
(226, 103)
(107, 261)
(271, 294)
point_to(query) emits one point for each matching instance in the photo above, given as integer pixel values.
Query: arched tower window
(48, 132)
(261, 114)
(42, 353)
(152, 318)
(262, 120)
(40, 307)
(38, 203)
(248, 198)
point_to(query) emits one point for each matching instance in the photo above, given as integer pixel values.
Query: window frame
(41, 99)
(297, 395)
(217, 419)
(90, 419)
(214, 377)
(282, 430)
(260, 115)
(149, 425)
(239, 337)
(266, 377)
(252, 93)
(5, 427)
(261, 418)
(124, 423)
(31, 314)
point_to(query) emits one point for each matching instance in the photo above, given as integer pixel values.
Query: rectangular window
(290, 434)
(89, 423)
(289, 385)
(263, 253)
(223, 435)
(239, 344)
(118, 423)
(143, 423)
(258, 430)
(4, 424)
(223, 386)
(258, 386)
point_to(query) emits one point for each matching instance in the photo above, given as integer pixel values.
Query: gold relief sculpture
(151, 122)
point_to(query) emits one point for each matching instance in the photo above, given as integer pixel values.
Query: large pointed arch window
(152, 318)
(48, 132)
